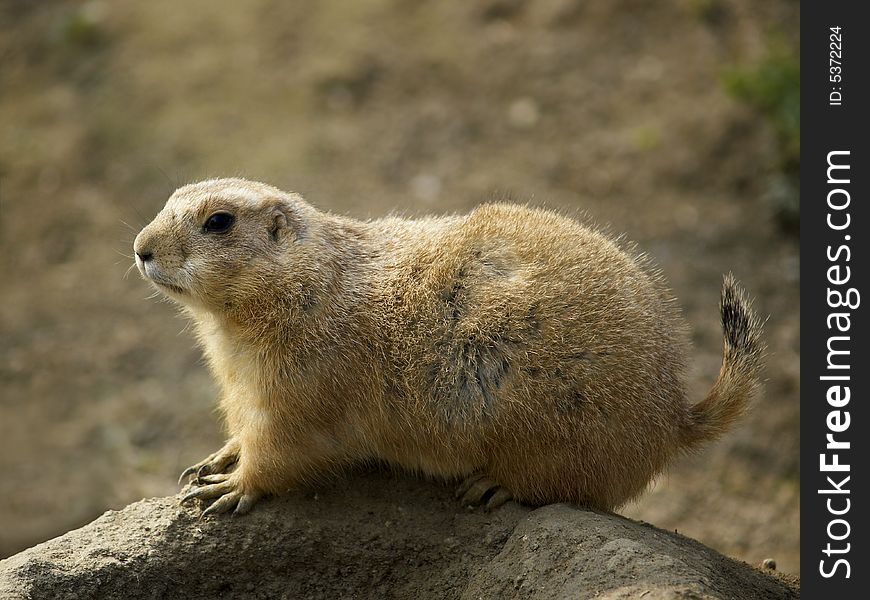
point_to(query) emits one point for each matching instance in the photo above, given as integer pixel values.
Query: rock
(337, 543)
(562, 552)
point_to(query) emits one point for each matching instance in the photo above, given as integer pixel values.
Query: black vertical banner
(835, 370)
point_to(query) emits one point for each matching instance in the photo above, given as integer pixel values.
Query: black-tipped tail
(738, 377)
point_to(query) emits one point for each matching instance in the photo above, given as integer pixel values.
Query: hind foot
(478, 489)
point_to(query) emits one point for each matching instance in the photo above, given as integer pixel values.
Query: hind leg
(478, 489)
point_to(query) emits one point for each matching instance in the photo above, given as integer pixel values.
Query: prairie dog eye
(219, 222)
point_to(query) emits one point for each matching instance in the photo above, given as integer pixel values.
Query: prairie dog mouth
(170, 286)
(152, 273)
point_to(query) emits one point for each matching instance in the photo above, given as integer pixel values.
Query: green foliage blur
(773, 86)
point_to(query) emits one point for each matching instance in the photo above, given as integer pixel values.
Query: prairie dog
(512, 347)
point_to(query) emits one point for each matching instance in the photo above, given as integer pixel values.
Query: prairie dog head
(215, 241)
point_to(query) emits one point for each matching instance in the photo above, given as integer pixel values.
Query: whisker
(172, 182)
(130, 227)
(141, 218)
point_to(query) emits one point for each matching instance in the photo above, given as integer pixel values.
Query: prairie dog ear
(288, 217)
(278, 225)
(284, 221)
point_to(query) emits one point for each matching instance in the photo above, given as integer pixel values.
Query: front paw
(217, 463)
(230, 493)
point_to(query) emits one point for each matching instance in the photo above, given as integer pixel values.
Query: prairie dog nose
(143, 247)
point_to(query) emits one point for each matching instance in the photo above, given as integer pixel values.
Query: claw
(478, 489)
(476, 492)
(500, 496)
(207, 492)
(222, 504)
(246, 503)
(215, 463)
(219, 478)
(466, 485)
(186, 473)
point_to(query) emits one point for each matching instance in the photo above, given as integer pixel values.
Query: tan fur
(511, 342)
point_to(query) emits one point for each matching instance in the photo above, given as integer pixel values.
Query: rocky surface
(370, 536)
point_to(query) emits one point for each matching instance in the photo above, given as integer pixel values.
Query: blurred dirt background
(620, 109)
